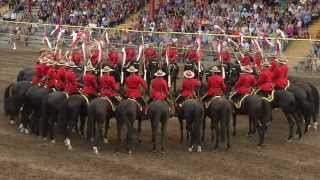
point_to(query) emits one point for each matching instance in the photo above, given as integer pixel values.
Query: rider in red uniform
(265, 83)
(159, 87)
(76, 58)
(108, 86)
(133, 83)
(192, 55)
(244, 85)
(257, 60)
(280, 74)
(172, 54)
(189, 86)
(39, 72)
(61, 73)
(245, 59)
(51, 80)
(113, 58)
(72, 85)
(216, 85)
(130, 55)
(94, 57)
(90, 84)
(246, 81)
(150, 53)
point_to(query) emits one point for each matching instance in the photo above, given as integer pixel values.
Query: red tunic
(90, 84)
(216, 85)
(172, 54)
(94, 57)
(280, 76)
(108, 86)
(265, 80)
(192, 55)
(225, 56)
(72, 84)
(130, 54)
(114, 58)
(160, 89)
(189, 86)
(257, 61)
(52, 77)
(76, 58)
(245, 60)
(61, 82)
(41, 71)
(245, 83)
(133, 83)
(150, 52)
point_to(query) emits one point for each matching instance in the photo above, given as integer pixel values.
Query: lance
(122, 66)
(168, 67)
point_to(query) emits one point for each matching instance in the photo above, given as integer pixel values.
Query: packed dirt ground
(26, 157)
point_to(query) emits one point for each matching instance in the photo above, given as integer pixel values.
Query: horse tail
(315, 100)
(6, 98)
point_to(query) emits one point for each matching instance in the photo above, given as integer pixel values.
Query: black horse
(26, 74)
(100, 111)
(14, 99)
(158, 113)
(307, 97)
(126, 114)
(53, 110)
(192, 111)
(220, 113)
(259, 112)
(31, 112)
(76, 108)
(287, 103)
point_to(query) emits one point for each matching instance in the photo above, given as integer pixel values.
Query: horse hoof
(21, 130)
(106, 141)
(26, 131)
(129, 152)
(53, 141)
(309, 127)
(190, 149)
(20, 126)
(95, 150)
(289, 140)
(163, 152)
(11, 122)
(69, 147)
(199, 149)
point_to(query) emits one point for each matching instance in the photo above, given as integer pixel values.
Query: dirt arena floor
(26, 157)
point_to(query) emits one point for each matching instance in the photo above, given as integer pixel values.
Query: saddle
(208, 102)
(137, 102)
(112, 101)
(237, 99)
(265, 95)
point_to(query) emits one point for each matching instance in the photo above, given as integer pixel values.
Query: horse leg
(181, 130)
(228, 134)
(51, 122)
(139, 128)
(154, 128)
(129, 136)
(215, 126)
(119, 127)
(99, 136)
(261, 134)
(82, 124)
(234, 124)
(203, 129)
(299, 124)
(163, 135)
(107, 125)
(291, 124)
